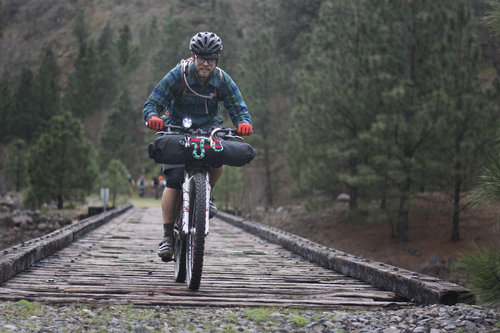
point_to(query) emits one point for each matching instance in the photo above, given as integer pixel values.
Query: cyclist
(193, 89)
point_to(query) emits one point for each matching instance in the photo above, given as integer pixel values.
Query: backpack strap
(219, 77)
(185, 69)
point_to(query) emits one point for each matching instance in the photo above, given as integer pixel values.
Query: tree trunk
(60, 202)
(384, 208)
(114, 197)
(268, 192)
(18, 180)
(353, 190)
(408, 145)
(458, 186)
(403, 211)
(456, 208)
(353, 198)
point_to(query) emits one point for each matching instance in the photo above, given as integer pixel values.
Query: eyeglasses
(201, 60)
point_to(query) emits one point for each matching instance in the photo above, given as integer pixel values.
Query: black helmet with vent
(206, 44)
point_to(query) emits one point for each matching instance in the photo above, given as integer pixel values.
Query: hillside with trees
(383, 101)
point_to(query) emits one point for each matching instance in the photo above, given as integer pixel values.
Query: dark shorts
(174, 174)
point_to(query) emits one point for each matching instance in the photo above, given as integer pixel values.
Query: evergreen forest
(376, 100)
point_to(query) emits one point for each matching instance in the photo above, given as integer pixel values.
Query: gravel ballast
(24, 316)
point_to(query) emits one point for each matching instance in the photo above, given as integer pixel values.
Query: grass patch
(259, 314)
(300, 321)
(144, 202)
(482, 265)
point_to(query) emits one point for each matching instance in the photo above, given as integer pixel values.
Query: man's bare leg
(170, 200)
(215, 174)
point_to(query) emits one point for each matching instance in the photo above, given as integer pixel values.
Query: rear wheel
(195, 240)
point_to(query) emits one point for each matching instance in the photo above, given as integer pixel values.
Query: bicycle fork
(186, 194)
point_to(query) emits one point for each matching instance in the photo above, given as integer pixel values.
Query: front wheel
(180, 259)
(195, 240)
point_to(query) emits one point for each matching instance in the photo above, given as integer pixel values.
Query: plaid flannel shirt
(204, 112)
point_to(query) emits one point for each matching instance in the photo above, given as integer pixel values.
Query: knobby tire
(195, 240)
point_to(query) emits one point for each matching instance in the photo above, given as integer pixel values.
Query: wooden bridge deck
(117, 264)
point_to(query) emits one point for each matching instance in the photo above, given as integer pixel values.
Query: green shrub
(482, 265)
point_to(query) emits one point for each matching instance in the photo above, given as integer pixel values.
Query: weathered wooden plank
(16, 259)
(196, 298)
(117, 264)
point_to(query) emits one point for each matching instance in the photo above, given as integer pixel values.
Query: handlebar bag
(166, 149)
(236, 153)
(169, 149)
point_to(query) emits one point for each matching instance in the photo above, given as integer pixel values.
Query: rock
(415, 252)
(64, 221)
(42, 226)
(9, 327)
(343, 197)
(436, 259)
(23, 220)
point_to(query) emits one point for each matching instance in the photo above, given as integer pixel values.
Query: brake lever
(230, 136)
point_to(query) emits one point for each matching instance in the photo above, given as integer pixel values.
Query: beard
(203, 72)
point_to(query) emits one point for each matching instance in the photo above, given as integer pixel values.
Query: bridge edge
(417, 287)
(18, 258)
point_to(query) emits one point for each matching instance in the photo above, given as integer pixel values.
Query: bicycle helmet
(206, 44)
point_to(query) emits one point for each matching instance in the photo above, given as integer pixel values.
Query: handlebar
(218, 132)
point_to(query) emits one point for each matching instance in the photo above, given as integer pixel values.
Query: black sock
(168, 230)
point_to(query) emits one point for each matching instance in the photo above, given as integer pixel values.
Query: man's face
(204, 66)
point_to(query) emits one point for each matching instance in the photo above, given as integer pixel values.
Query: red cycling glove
(155, 123)
(244, 129)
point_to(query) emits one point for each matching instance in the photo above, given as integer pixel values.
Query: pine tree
(16, 164)
(120, 139)
(123, 45)
(128, 55)
(468, 116)
(61, 164)
(116, 179)
(335, 102)
(23, 117)
(108, 75)
(5, 105)
(409, 111)
(293, 34)
(105, 41)
(262, 60)
(47, 88)
(80, 27)
(80, 97)
(173, 47)
(1, 18)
